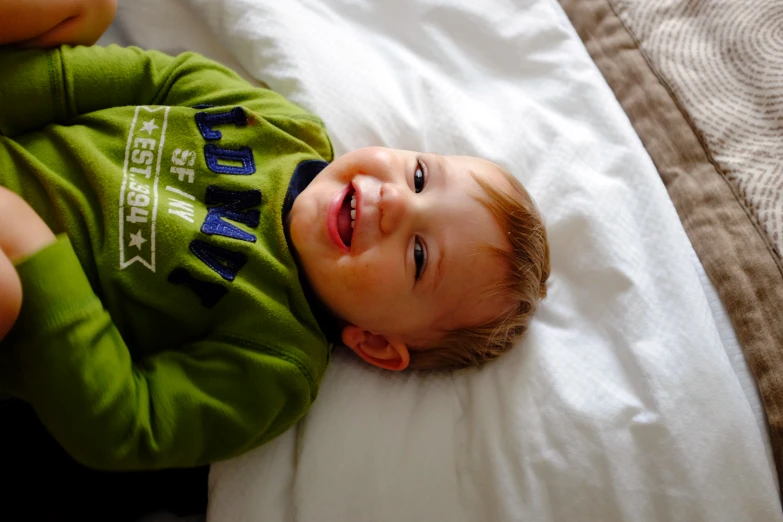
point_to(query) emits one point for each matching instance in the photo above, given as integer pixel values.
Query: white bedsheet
(620, 404)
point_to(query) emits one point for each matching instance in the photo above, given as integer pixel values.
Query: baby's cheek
(371, 277)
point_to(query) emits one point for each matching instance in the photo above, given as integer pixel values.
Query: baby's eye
(420, 257)
(420, 177)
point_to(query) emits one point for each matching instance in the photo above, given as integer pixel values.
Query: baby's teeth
(353, 214)
(353, 201)
(353, 224)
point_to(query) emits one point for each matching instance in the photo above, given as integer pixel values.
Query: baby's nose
(393, 208)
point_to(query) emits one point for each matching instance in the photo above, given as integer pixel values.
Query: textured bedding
(621, 403)
(702, 83)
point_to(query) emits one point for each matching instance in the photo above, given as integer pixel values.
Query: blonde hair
(525, 284)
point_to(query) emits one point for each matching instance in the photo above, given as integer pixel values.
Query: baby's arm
(194, 404)
(47, 23)
(191, 404)
(22, 233)
(10, 294)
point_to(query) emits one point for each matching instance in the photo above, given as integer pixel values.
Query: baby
(179, 251)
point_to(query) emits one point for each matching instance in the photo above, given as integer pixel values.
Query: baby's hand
(22, 231)
(48, 23)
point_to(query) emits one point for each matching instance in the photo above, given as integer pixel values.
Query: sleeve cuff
(30, 83)
(55, 289)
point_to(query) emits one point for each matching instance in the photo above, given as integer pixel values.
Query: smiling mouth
(346, 218)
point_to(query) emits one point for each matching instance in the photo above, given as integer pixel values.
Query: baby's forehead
(473, 287)
(480, 172)
(478, 166)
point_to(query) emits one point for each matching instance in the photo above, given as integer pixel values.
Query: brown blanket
(702, 83)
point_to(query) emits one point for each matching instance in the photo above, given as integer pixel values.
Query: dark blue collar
(304, 173)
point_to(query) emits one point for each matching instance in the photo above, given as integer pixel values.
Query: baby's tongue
(344, 222)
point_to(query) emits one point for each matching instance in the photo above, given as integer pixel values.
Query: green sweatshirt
(175, 331)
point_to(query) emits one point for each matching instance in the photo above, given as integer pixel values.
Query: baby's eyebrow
(438, 270)
(441, 168)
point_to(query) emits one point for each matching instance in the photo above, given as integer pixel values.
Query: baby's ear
(376, 349)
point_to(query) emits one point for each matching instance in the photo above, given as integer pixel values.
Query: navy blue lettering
(243, 155)
(233, 206)
(226, 263)
(206, 121)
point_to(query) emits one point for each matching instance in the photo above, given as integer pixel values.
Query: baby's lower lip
(331, 218)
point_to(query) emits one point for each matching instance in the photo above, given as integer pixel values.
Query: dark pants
(40, 482)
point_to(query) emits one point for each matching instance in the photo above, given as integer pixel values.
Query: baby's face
(391, 241)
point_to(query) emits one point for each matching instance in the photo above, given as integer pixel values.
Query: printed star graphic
(137, 240)
(149, 126)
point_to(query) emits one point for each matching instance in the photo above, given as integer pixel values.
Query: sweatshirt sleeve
(206, 401)
(39, 87)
